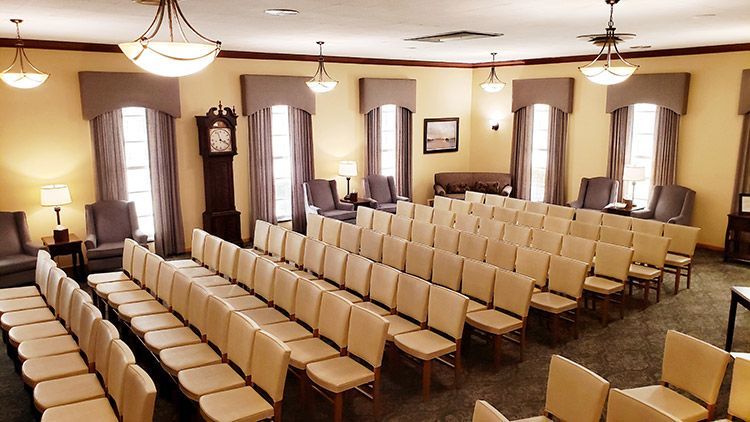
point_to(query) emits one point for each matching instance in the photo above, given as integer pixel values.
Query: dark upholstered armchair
(381, 190)
(670, 204)
(108, 224)
(17, 253)
(322, 197)
(596, 193)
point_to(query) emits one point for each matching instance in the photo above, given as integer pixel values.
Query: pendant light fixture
(18, 74)
(609, 67)
(493, 83)
(321, 82)
(174, 57)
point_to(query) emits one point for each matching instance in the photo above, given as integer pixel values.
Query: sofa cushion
(106, 250)
(321, 195)
(487, 187)
(16, 263)
(11, 243)
(457, 187)
(111, 221)
(470, 178)
(340, 214)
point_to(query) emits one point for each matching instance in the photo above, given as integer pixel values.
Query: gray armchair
(596, 193)
(381, 190)
(17, 253)
(108, 224)
(322, 197)
(670, 204)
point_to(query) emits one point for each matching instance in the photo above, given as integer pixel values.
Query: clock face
(220, 139)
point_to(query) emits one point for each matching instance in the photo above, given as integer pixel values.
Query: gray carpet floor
(628, 353)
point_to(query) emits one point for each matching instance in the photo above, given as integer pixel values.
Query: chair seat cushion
(340, 214)
(266, 316)
(246, 302)
(16, 263)
(351, 297)
(60, 392)
(180, 358)
(241, 404)
(156, 341)
(493, 321)
(106, 250)
(143, 324)
(643, 272)
(288, 331)
(12, 305)
(198, 382)
(387, 207)
(339, 374)
(373, 307)
(553, 303)
(670, 402)
(195, 272)
(602, 285)
(325, 285)
(106, 289)
(210, 281)
(17, 335)
(399, 325)
(475, 306)
(47, 368)
(29, 316)
(674, 260)
(123, 298)
(184, 263)
(131, 310)
(310, 350)
(97, 410)
(95, 279)
(47, 347)
(424, 344)
(18, 292)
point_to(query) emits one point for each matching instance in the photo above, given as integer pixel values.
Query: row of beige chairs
(72, 358)
(575, 393)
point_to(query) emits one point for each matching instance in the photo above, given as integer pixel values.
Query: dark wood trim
(251, 55)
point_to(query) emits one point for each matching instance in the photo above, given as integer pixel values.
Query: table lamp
(633, 174)
(54, 196)
(347, 169)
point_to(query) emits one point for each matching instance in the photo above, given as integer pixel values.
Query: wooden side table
(362, 202)
(737, 238)
(73, 247)
(621, 211)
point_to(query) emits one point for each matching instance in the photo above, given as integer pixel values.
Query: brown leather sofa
(454, 185)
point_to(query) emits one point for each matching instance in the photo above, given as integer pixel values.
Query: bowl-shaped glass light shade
(171, 59)
(24, 80)
(604, 74)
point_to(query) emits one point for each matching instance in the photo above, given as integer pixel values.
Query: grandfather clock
(217, 139)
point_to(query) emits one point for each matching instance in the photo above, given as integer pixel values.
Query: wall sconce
(495, 125)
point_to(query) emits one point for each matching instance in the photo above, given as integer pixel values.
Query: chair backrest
(652, 227)
(165, 283)
(447, 269)
(506, 215)
(321, 194)
(315, 251)
(567, 276)
(350, 237)
(314, 226)
(482, 210)
(90, 317)
(596, 192)
(446, 311)
(285, 290)
(444, 218)
(197, 243)
(423, 233)
(651, 250)
(536, 207)
(423, 213)
(475, 197)
(276, 241)
(364, 217)
(616, 221)
(358, 271)
(585, 230)
(494, 200)
(263, 283)
(331, 233)
(672, 201)
(460, 206)
(519, 235)
(623, 408)
(240, 343)
(446, 239)
(472, 246)
(55, 283)
(218, 312)
(75, 309)
(616, 236)
(401, 227)
(478, 280)
(513, 292)
(589, 216)
(246, 268)
(574, 393)
(269, 364)
(412, 297)
(558, 211)
(260, 235)
(394, 252)
(367, 334)
(151, 274)
(180, 297)
(139, 395)
(111, 221)
(530, 219)
(41, 271)
(15, 232)
(533, 263)
(334, 318)
(515, 204)
(442, 203)
(578, 248)
(684, 238)
(381, 222)
(739, 405)
(501, 254)
(383, 285)
(120, 357)
(405, 209)
(467, 223)
(127, 255)
(613, 261)
(371, 245)
(681, 352)
(484, 412)
(419, 260)
(334, 266)
(380, 188)
(557, 224)
(106, 333)
(294, 248)
(199, 316)
(139, 263)
(491, 229)
(213, 252)
(307, 302)
(228, 256)
(547, 241)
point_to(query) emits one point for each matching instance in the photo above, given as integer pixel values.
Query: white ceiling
(377, 28)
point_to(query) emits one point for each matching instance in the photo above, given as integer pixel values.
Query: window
(640, 152)
(539, 148)
(138, 177)
(282, 162)
(388, 140)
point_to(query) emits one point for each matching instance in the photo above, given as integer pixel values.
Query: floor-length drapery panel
(109, 155)
(619, 134)
(372, 137)
(303, 168)
(404, 146)
(742, 177)
(665, 154)
(554, 184)
(262, 196)
(520, 159)
(169, 238)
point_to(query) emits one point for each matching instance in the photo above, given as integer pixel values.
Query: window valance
(264, 91)
(745, 92)
(668, 90)
(102, 92)
(376, 92)
(557, 92)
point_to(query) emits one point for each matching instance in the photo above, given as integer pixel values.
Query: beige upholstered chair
(381, 222)
(547, 241)
(589, 216)
(535, 264)
(42, 262)
(506, 215)
(518, 235)
(419, 260)
(559, 211)
(484, 412)
(616, 236)
(530, 219)
(423, 213)
(623, 408)
(412, 298)
(211, 256)
(739, 406)
(357, 280)
(557, 224)
(423, 233)
(246, 261)
(474, 197)
(690, 365)
(467, 223)
(491, 229)
(367, 334)
(315, 252)
(566, 277)
(447, 269)
(48, 277)
(652, 227)
(648, 263)
(536, 207)
(610, 277)
(501, 254)
(478, 284)
(446, 239)
(334, 269)
(197, 242)
(515, 204)
(331, 233)
(364, 217)
(442, 203)
(507, 319)
(482, 210)
(443, 218)
(616, 221)
(401, 227)
(129, 245)
(281, 299)
(584, 230)
(460, 207)
(276, 242)
(351, 236)
(261, 236)
(446, 315)
(139, 263)
(681, 251)
(405, 209)
(148, 280)
(304, 323)
(494, 200)
(315, 226)
(371, 245)
(472, 246)
(579, 248)
(383, 287)
(394, 252)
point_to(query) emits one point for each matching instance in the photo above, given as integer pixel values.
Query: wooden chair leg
(522, 343)
(338, 407)
(376, 394)
(677, 273)
(426, 379)
(277, 411)
(689, 273)
(457, 366)
(659, 282)
(622, 304)
(605, 310)
(555, 328)
(498, 339)
(575, 323)
(646, 288)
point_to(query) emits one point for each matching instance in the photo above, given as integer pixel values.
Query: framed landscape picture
(441, 135)
(744, 203)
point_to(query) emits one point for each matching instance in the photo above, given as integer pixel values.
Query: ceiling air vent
(455, 36)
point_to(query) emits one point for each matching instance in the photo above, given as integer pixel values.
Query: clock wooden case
(217, 137)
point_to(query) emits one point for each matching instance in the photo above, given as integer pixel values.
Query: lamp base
(60, 234)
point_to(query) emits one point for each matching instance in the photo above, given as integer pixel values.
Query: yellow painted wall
(709, 132)
(44, 139)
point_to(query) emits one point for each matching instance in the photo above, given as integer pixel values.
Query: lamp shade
(55, 195)
(347, 168)
(634, 173)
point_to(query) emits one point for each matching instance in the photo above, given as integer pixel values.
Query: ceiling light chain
(493, 83)
(321, 82)
(22, 79)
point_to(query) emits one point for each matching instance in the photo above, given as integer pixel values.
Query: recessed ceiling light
(282, 12)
